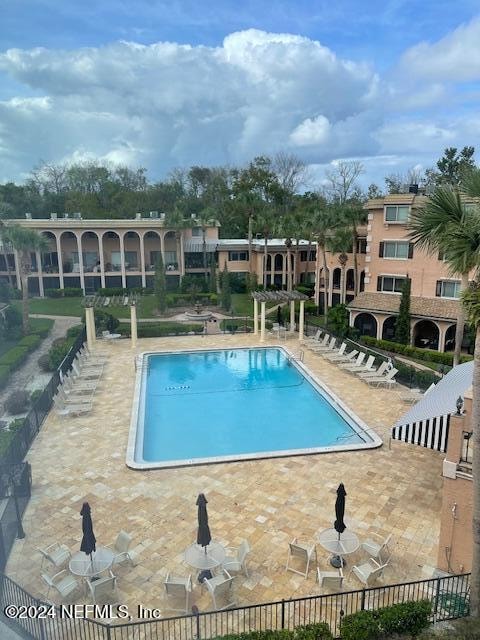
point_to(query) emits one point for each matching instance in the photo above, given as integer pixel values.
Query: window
(312, 258)
(390, 284)
(397, 213)
(236, 256)
(448, 289)
(398, 250)
(362, 245)
(196, 232)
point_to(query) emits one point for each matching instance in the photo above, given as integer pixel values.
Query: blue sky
(390, 83)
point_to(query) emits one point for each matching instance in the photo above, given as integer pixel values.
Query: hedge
(67, 292)
(14, 357)
(31, 341)
(185, 299)
(318, 631)
(428, 355)
(120, 291)
(406, 617)
(237, 323)
(159, 329)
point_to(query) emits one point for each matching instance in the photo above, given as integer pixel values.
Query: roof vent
(53, 216)
(28, 216)
(66, 216)
(153, 214)
(138, 216)
(77, 215)
(162, 216)
(413, 188)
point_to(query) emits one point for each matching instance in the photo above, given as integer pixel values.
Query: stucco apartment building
(390, 258)
(91, 254)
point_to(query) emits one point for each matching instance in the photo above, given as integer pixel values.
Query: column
(181, 258)
(80, 261)
(142, 259)
(255, 317)
(284, 270)
(330, 287)
(133, 325)
(262, 322)
(17, 269)
(442, 331)
(40, 274)
(292, 316)
(102, 260)
(90, 326)
(301, 320)
(122, 261)
(380, 322)
(60, 261)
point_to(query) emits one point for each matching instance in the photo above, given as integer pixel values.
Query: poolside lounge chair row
(75, 395)
(355, 361)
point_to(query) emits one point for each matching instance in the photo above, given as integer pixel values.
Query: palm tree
(322, 223)
(340, 242)
(433, 226)
(354, 215)
(24, 241)
(178, 222)
(205, 218)
(266, 223)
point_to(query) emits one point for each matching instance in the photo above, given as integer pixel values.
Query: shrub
(14, 357)
(17, 402)
(44, 362)
(58, 351)
(13, 322)
(72, 292)
(310, 307)
(74, 331)
(4, 375)
(307, 289)
(320, 631)
(158, 329)
(35, 395)
(427, 355)
(53, 293)
(406, 618)
(105, 321)
(362, 625)
(112, 291)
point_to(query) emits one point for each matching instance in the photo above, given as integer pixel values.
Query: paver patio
(394, 489)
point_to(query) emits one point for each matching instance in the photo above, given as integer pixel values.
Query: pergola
(263, 297)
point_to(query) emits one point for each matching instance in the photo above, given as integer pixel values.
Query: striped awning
(196, 246)
(427, 423)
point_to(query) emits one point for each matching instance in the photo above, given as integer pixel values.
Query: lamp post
(459, 405)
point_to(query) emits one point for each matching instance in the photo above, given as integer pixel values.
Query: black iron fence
(449, 597)
(15, 491)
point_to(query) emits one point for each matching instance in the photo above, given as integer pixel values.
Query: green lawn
(73, 307)
(35, 325)
(242, 305)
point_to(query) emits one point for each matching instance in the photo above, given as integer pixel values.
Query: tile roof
(420, 307)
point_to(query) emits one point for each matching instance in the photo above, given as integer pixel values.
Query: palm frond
(429, 225)
(470, 298)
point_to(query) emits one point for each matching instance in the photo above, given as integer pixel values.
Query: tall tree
(342, 180)
(402, 324)
(340, 241)
(322, 224)
(453, 167)
(24, 241)
(432, 228)
(226, 291)
(160, 285)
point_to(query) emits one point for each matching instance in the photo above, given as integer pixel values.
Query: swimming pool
(197, 407)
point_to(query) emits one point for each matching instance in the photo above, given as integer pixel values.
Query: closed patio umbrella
(88, 544)
(203, 534)
(339, 524)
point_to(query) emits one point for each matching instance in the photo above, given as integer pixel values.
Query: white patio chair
(104, 589)
(378, 548)
(411, 396)
(365, 368)
(221, 590)
(340, 352)
(369, 571)
(121, 549)
(319, 343)
(328, 348)
(56, 553)
(313, 339)
(332, 579)
(87, 374)
(301, 552)
(237, 562)
(345, 357)
(178, 589)
(62, 583)
(352, 366)
(81, 387)
(373, 373)
(66, 409)
(69, 396)
(83, 365)
(386, 380)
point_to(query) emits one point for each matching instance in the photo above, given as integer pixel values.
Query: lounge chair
(64, 410)
(369, 571)
(365, 368)
(354, 366)
(328, 348)
(179, 590)
(88, 374)
(221, 588)
(333, 579)
(374, 372)
(57, 554)
(378, 548)
(104, 588)
(315, 338)
(84, 365)
(319, 343)
(387, 379)
(411, 396)
(70, 397)
(62, 582)
(302, 552)
(345, 357)
(337, 352)
(85, 387)
(237, 562)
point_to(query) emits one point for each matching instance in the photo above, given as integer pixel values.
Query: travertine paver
(392, 489)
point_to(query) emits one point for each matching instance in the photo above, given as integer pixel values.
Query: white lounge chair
(345, 357)
(70, 397)
(314, 339)
(365, 368)
(319, 343)
(373, 373)
(221, 590)
(82, 387)
(237, 562)
(332, 579)
(378, 548)
(354, 366)
(328, 348)
(369, 571)
(121, 549)
(56, 553)
(337, 352)
(301, 552)
(411, 396)
(65, 410)
(178, 589)
(87, 374)
(103, 589)
(84, 365)
(62, 582)
(387, 379)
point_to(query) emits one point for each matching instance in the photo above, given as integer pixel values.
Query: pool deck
(394, 489)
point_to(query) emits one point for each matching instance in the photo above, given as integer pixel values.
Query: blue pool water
(235, 402)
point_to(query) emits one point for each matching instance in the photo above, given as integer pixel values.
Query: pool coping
(356, 423)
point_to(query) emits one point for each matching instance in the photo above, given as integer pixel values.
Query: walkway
(30, 377)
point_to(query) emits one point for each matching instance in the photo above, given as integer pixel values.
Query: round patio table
(81, 565)
(340, 546)
(205, 558)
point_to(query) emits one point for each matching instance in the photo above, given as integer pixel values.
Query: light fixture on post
(459, 404)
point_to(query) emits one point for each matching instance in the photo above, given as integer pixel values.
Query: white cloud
(311, 131)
